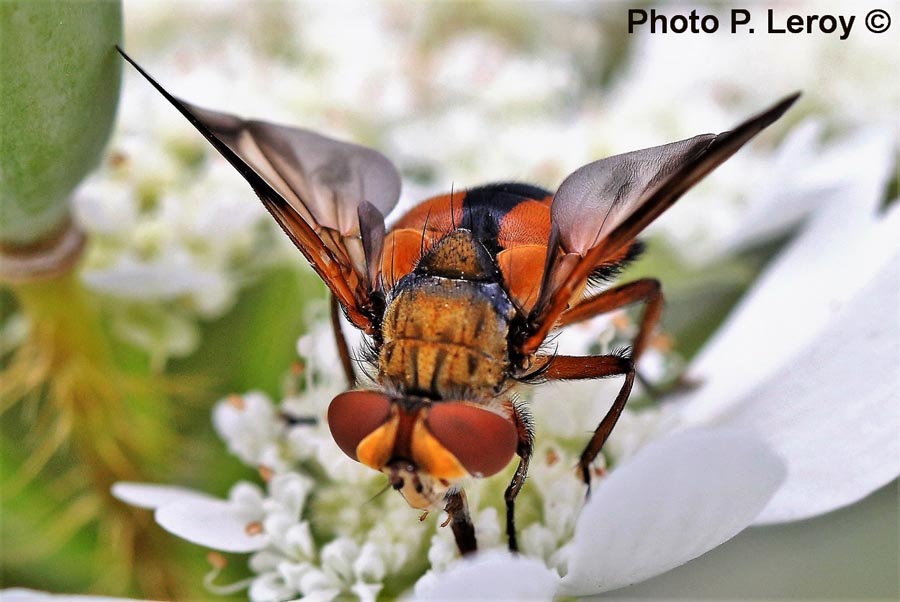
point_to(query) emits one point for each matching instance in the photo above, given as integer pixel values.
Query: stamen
(237, 401)
(217, 560)
(117, 159)
(663, 343)
(254, 528)
(552, 457)
(621, 321)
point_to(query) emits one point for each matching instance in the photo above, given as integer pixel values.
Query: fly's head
(424, 447)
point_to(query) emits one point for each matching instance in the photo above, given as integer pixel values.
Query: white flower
(250, 425)
(286, 557)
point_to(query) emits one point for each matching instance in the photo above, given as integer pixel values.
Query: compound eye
(484, 442)
(354, 415)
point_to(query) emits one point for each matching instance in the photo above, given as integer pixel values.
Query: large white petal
(490, 576)
(804, 173)
(20, 594)
(674, 500)
(833, 413)
(849, 554)
(840, 251)
(151, 496)
(215, 524)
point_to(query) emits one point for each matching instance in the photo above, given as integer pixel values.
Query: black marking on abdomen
(414, 363)
(439, 358)
(486, 206)
(472, 363)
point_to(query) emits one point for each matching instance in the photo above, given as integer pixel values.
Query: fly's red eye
(482, 441)
(354, 415)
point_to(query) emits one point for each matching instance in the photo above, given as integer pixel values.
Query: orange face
(424, 447)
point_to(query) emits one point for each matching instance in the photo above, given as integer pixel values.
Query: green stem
(112, 420)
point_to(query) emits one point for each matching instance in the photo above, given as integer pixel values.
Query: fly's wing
(316, 188)
(603, 206)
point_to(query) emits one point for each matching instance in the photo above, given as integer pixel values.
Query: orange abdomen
(446, 339)
(445, 329)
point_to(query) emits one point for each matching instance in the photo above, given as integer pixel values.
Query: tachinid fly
(459, 295)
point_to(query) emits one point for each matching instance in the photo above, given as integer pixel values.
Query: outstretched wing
(601, 207)
(329, 197)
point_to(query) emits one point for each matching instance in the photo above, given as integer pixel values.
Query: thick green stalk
(59, 85)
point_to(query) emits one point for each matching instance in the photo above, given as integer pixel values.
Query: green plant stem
(111, 420)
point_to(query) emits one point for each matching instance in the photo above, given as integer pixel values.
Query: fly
(460, 294)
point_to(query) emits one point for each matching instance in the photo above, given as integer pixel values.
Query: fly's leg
(525, 450)
(341, 342)
(457, 510)
(568, 367)
(647, 290)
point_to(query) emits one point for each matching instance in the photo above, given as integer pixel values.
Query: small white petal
(674, 500)
(268, 587)
(840, 441)
(325, 595)
(292, 573)
(369, 565)
(249, 427)
(278, 526)
(338, 556)
(288, 493)
(265, 561)
(442, 552)
(490, 576)
(538, 541)
(214, 524)
(316, 584)
(299, 542)
(148, 495)
(247, 498)
(366, 592)
(487, 525)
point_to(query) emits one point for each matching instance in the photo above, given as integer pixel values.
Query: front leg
(457, 510)
(525, 451)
